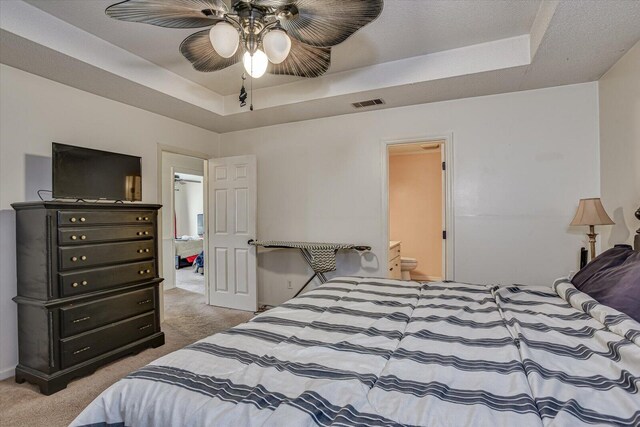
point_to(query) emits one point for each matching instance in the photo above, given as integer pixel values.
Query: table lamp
(591, 212)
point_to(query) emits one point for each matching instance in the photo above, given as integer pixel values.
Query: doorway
(183, 180)
(228, 220)
(188, 226)
(418, 223)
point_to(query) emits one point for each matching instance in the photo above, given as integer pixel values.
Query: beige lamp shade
(591, 212)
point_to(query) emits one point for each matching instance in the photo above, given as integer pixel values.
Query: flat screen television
(84, 173)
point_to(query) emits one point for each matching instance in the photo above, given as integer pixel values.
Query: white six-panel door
(232, 223)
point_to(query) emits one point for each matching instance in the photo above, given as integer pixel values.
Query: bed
(362, 351)
(187, 250)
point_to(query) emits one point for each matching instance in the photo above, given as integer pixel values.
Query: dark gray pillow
(617, 286)
(610, 258)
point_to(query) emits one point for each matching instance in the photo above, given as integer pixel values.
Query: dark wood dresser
(88, 287)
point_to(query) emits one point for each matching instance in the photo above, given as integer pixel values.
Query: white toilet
(407, 265)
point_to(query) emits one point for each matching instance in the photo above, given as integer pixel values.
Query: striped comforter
(359, 351)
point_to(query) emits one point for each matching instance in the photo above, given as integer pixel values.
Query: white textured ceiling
(418, 51)
(406, 28)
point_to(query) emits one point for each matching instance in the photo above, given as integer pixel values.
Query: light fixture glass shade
(277, 45)
(224, 38)
(591, 212)
(255, 65)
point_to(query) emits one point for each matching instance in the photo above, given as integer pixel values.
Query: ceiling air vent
(369, 103)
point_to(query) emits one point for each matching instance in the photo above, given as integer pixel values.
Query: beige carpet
(187, 319)
(189, 280)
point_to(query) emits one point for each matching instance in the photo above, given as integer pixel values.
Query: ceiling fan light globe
(255, 65)
(277, 45)
(224, 38)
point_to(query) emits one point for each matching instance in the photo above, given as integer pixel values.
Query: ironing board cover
(323, 255)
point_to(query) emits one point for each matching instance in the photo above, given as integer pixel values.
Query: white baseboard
(7, 373)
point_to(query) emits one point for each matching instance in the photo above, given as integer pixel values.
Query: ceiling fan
(287, 37)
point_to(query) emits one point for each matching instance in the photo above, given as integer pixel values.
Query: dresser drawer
(98, 217)
(79, 318)
(84, 281)
(99, 341)
(74, 257)
(84, 235)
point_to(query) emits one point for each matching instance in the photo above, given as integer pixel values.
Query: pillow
(610, 258)
(616, 285)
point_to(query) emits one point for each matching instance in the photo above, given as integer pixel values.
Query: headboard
(636, 242)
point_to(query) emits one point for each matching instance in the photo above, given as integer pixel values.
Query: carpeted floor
(187, 319)
(189, 280)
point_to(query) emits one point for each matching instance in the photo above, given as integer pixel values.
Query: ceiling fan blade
(276, 4)
(303, 61)
(169, 13)
(326, 22)
(198, 50)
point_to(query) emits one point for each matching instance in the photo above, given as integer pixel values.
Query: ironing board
(321, 257)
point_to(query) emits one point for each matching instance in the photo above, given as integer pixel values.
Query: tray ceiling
(417, 51)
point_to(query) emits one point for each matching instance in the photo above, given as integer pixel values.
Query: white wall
(189, 199)
(619, 91)
(521, 163)
(34, 112)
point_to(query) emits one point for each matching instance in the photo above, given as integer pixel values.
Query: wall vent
(369, 103)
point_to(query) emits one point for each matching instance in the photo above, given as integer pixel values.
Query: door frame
(448, 258)
(163, 148)
(179, 170)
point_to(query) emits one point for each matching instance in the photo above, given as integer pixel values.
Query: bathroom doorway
(417, 210)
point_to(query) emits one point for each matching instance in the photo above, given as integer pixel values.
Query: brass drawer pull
(72, 219)
(146, 250)
(148, 271)
(82, 319)
(146, 233)
(83, 219)
(144, 302)
(75, 284)
(74, 258)
(74, 237)
(141, 328)
(139, 233)
(146, 218)
(84, 283)
(83, 237)
(139, 218)
(141, 272)
(81, 350)
(83, 258)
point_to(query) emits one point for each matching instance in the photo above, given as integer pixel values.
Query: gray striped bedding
(376, 352)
